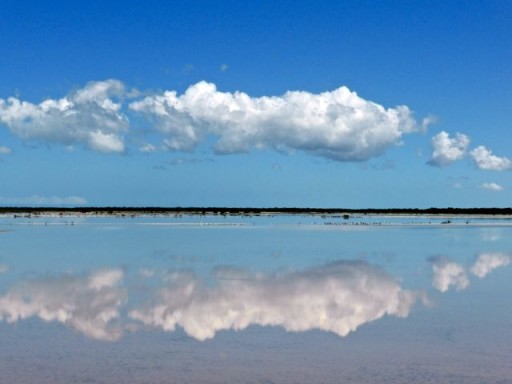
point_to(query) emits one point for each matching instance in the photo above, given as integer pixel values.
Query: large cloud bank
(337, 124)
(338, 298)
(90, 116)
(88, 304)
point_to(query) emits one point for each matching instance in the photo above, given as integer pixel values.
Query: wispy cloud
(486, 160)
(4, 268)
(448, 150)
(89, 116)
(338, 298)
(189, 161)
(37, 200)
(148, 148)
(491, 187)
(88, 304)
(5, 150)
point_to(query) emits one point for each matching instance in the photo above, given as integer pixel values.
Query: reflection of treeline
(254, 211)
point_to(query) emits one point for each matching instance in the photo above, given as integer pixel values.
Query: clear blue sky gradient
(450, 60)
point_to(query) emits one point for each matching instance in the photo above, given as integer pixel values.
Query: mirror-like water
(282, 299)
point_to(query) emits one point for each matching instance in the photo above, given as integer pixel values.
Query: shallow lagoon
(255, 299)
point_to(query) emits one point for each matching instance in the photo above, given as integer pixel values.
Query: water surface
(284, 299)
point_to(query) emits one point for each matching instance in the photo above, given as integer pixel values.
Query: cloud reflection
(337, 297)
(448, 273)
(88, 304)
(486, 262)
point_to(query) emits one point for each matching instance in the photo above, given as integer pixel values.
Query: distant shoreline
(233, 211)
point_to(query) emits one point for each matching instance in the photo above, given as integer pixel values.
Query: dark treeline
(255, 211)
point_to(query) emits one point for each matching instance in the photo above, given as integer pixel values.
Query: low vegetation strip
(251, 211)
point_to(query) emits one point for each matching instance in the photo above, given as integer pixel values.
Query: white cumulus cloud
(484, 159)
(338, 298)
(37, 200)
(491, 187)
(89, 116)
(87, 304)
(339, 124)
(448, 150)
(447, 273)
(487, 262)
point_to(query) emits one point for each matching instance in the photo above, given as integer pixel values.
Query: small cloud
(224, 67)
(147, 148)
(187, 68)
(448, 150)
(36, 200)
(4, 268)
(448, 273)
(427, 121)
(487, 262)
(105, 278)
(146, 273)
(182, 161)
(277, 166)
(5, 150)
(384, 165)
(462, 178)
(458, 182)
(491, 187)
(485, 160)
(491, 234)
(189, 161)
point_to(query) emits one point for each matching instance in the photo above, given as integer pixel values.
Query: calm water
(271, 299)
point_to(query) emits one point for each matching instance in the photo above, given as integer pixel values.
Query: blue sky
(229, 103)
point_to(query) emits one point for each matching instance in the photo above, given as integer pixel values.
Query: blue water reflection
(256, 299)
